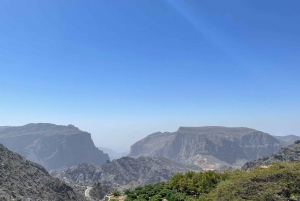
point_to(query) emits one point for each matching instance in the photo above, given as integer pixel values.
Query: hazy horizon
(122, 70)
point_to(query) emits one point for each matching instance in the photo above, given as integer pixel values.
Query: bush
(196, 184)
(117, 193)
(281, 181)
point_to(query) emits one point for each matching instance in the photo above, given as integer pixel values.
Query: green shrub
(280, 181)
(196, 184)
(117, 193)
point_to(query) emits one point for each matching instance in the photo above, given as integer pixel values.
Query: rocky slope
(21, 179)
(124, 173)
(208, 147)
(289, 139)
(52, 146)
(289, 153)
(99, 191)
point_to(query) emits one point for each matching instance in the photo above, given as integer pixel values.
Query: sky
(123, 69)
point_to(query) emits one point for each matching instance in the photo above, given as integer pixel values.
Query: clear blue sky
(122, 69)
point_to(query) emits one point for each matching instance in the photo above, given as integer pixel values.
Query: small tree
(116, 193)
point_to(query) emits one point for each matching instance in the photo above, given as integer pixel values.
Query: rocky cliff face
(289, 153)
(208, 147)
(125, 172)
(21, 179)
(52, 146)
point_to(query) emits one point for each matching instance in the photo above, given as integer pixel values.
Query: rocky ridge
(124, 173)
(52, 146)
(289, 153)
(208, 147)
(289, 139)
(21, 179)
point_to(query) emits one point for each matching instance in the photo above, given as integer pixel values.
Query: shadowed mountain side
(52, 146)
(21, 179)
(125, 172)
(208, 147)
(289, 153)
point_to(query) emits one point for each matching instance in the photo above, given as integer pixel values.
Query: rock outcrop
(99, 191)
(125, 172)
(52, 146)
(289, 153)
(21, 179)
(208, 147)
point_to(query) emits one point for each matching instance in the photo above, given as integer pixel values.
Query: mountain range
(71, 156)
(124, 173)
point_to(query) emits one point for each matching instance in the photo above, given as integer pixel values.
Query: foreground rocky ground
(21, 179)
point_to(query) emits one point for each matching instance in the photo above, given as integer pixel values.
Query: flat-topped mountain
(52, 146)
(289, 139)
(208, 147)
(125, 172)
(21, 179)
(289, 153)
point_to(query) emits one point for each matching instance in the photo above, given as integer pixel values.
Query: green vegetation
(181, 187)
(196, 184)
(116, 193)
(280, 181)
(155, 192)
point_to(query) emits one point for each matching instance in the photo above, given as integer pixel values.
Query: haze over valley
(149, 100)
